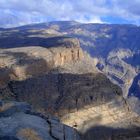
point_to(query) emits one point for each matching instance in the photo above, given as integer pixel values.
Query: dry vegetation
(28, 134)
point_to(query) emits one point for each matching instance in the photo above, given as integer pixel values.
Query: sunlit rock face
(63, 56)
(24, 62)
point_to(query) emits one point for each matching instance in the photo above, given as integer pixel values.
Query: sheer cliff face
(63, 56)
(23, 63)
(65, 92)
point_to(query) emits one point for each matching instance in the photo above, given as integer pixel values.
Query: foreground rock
(18, 122)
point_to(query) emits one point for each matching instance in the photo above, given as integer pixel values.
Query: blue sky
(21, 12)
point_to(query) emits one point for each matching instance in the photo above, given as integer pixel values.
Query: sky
(20, 12)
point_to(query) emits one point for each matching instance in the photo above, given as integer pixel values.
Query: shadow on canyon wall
(25, 38)
(135, 87)
(64, 92)
(109, 133)
(8, 138)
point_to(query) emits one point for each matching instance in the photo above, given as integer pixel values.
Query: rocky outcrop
(63, 56)
(65, 92)
(18, 122)
(24, 63)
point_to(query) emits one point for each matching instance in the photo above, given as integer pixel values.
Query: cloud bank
(20, 12)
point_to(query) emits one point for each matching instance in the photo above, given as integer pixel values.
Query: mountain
(115, 46)
(45, 66)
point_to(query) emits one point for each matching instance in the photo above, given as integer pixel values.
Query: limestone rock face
(24, 63)
(63, 56)
(23, 124)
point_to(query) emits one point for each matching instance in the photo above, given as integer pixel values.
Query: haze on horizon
(16, 12)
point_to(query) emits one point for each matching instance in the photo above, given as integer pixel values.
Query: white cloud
(29, 11)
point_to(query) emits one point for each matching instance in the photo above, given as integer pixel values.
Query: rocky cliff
(20, 64)
(65, 92)
(19, 122)
(100, 40)
(58, 78)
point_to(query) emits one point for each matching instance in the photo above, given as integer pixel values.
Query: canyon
(115, 46)
(49, 70)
